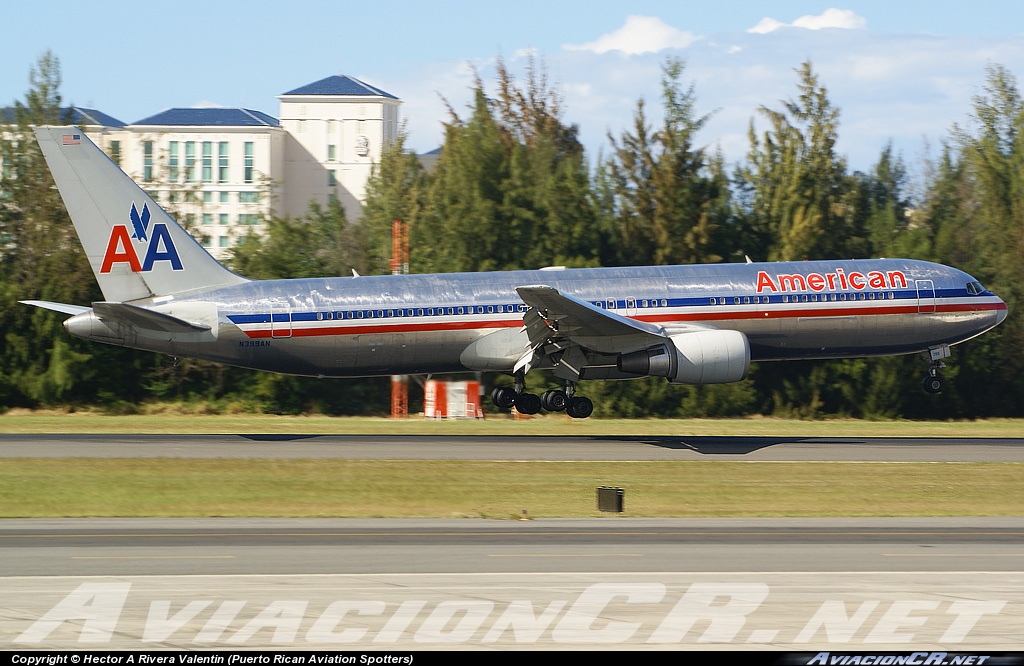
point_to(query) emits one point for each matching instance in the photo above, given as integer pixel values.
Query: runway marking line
(152, 557)
(954, 554)
(566, 554)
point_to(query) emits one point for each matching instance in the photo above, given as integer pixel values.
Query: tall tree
(394, 192)
(795, 178)
(40, 257)
(511, 188)
(976, 205)
(668, 195)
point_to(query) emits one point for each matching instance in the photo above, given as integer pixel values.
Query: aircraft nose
(1001, 312)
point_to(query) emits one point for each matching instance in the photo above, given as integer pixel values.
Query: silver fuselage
(421, 324)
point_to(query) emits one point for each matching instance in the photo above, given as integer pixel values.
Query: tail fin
(135, 248)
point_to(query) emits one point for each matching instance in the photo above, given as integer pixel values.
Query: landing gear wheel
(554, 401)
(528, 403)
(932, 384)
(579, 408)
(503, 397)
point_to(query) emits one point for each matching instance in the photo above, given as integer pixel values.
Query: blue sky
(901, 71)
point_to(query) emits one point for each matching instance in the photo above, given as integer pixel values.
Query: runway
(796, 584)
(612, 583)
(527, 447)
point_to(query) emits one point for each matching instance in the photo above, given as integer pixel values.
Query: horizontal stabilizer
(146, 319)
(57, 307)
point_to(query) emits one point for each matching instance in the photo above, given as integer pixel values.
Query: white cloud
(639, 34)
(830, 18)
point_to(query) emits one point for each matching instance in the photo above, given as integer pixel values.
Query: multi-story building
(222, 171)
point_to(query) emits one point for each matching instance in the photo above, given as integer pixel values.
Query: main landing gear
(554, 400)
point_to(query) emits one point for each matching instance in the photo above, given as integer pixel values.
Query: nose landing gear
(932, 382)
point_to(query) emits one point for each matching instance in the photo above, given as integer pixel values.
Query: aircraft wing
(572, 335)
(556, 316)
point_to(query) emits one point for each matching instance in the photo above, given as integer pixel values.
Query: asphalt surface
(611, 583)
(526, 447)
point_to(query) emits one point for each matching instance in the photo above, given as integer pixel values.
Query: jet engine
(696, 357)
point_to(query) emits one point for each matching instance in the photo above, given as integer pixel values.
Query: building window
(207, 197)
(248, 197)
(224, 197)
(222, 241)
(147, 160)
(190, 161)
(248, 161)
(223, 219)
(248, 219)
(115, 152)
(332, 153)
(172, 161)
(207, 162)
(207, 219)
(332, 178)
(222, 162)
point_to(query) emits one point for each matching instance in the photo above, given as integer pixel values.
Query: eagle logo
(140, 223)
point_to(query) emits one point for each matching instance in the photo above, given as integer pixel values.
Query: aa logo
(156, 242)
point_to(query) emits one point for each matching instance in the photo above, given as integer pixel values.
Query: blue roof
(211, 117)
(80, 116)
(340, 85)
(72, 115)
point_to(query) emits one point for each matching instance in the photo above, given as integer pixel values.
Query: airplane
(696, 324)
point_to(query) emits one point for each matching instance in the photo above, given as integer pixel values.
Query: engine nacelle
(697, 357)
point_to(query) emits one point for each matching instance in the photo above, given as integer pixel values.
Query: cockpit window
(975, 288)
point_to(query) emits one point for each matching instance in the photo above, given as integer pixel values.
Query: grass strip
(372, 488)
(21, 422)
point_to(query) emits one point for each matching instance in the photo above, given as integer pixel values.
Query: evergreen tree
(511, 188)
(669, 197)
(796, 180)
(41, 258)
(393, 192)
